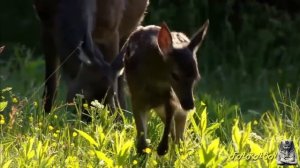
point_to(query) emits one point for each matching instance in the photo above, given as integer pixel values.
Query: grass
(218, 134)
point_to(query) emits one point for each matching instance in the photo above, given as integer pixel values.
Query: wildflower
(97, 104)
(74, 134)
(35, 104)
(50, 128)
(85, 105)
(15, 100)
(72, 161)
(54, 144)
(55, 135)
(55, 116)
(31, 119)
(147, 150)
(134, 162)
(2, 119)
(148, 141)
(101, 163)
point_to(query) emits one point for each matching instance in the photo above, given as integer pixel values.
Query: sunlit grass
(31, 139)
(218, 133)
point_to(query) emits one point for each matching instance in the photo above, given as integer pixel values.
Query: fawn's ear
(164, 40)
(198, 37)
(1, 49)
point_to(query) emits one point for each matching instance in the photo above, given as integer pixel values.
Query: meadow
(218, 134)
(247, 100)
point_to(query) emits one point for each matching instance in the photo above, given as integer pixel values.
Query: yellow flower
(50, 128)
(74, 134)
(72, 161)
(147, 150)
(15, 100)
(135, 162)
(35, 104)
(85, 105)
(55, 135)
(2, 119)
(255, 122)
(54, 144)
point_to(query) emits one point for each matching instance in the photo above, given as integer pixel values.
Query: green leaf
(6, 165)
(126, 147)
(6, 89)
(3, 105)
(203, 123)
(87, 137)
(50, 161)
(214, 145)
(255, 148)
(103, 157)
(236, 135)
(213, 128)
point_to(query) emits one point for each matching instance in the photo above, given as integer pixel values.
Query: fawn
(84, 37)
(161, 70)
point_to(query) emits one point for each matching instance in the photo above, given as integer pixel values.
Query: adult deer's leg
(51, 61)
(122, 83)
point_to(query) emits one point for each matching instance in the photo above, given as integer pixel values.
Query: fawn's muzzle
(187, 104)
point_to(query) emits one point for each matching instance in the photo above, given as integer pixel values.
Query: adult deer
(161, 70)
(83, 36)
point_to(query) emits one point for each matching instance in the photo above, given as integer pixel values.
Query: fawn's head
(180, 54)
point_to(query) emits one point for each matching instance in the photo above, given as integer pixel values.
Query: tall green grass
(218, 134)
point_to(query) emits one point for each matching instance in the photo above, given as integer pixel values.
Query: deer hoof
(162, 149)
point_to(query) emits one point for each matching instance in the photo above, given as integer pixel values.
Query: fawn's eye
(175, 76)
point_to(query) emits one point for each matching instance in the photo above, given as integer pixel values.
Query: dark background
(251, 50)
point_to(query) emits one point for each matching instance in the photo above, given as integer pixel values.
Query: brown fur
(65, 24)
(161, 70)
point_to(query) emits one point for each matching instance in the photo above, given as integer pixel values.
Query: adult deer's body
(161, 70)
(90, 30)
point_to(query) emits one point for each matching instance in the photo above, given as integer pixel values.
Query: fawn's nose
(187, 104)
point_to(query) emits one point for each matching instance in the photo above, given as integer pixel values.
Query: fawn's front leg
(163, 146)
(179, 122)
(141, 117)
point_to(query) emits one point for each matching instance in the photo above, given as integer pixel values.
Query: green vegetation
(247, 100)
(217, 133)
